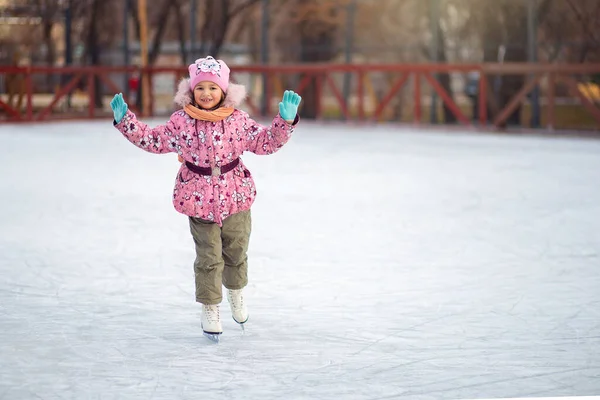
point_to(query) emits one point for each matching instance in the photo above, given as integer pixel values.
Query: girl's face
(207, 95)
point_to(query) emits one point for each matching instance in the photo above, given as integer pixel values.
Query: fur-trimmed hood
(233, 98)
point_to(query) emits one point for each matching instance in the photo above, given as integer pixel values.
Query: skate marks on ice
(428, 345)
(381, 282)
(552, 398)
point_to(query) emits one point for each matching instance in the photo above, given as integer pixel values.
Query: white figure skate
(211, 322)
(239, 310)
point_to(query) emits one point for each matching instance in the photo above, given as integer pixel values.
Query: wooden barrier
(416, 79)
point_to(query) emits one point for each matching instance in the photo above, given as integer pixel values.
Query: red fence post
(91, 94)
(151, 94)
(29, 87)
(417, 88)
(361, 96)
(483, 93)
(318, 94)
(551, 100)
(268, 95)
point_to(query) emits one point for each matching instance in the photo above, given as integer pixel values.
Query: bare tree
(216, 22)
(181, 31)
(159, 19)
(48, 11)
(587, 17)
(308, 31)
(100, 34)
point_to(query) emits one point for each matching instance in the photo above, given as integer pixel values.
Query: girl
(213, 187)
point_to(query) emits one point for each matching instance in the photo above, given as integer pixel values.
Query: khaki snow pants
(221, 255)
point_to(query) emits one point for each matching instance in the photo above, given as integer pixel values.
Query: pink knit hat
(209, 69)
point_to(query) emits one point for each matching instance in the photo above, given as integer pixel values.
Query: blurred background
(341, 45)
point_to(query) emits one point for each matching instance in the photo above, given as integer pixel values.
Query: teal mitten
(119, 107)
(288, 108)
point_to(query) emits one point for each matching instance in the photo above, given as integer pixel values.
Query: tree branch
(160, 30)
(585, 22)
(575, 10)
(133, 10)
(241, 7)
(543, 10)
(596, 18)
(180, 32)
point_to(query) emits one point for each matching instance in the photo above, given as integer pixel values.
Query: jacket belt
(214, 171)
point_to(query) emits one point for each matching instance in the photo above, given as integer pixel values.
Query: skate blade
(241, 323)
(242, 326)
(213, 337)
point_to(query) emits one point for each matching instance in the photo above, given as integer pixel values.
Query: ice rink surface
(385, 263)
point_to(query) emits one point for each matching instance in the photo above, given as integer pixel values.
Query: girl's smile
(208, 95)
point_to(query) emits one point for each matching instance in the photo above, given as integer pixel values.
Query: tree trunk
(220, 29)
(160, 30)
(47, 12)
(444, 78)
(94, 50)
(512, 30)
(181, 33)
(217, 20)
(133, 10)
(214, 27)
(50, 51)
(156, 40)
(316, 45)
(314, 49)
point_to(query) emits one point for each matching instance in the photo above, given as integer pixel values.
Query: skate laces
(212, 313)
(236, 299)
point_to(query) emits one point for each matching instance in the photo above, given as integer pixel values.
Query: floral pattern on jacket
(210, 144)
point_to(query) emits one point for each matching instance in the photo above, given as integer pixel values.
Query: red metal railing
(320, 78)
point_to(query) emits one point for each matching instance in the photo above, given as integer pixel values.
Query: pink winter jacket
(210, 144)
